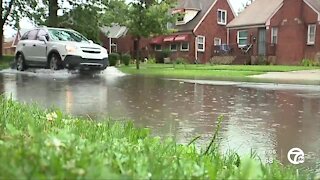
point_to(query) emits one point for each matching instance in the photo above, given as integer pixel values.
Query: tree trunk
(1, 30)
(1, 39)
(137, 51)
(53, 13)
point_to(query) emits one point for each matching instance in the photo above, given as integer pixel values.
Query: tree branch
(4, 19)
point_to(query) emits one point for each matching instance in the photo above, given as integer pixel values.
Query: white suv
(57, 48)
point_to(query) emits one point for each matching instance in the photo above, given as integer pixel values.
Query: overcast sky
(24, 24)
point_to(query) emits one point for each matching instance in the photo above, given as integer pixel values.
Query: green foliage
(181, 61)
(236, 72)
(84, 19)
(125, 59)
(6, 61)
(46, 144)
(146, 19)
(152, 60)
(309, 62)
(115, 12)
(113, 58)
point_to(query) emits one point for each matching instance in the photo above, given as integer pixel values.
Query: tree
(148, 18)
(84, 16)
(5, 10)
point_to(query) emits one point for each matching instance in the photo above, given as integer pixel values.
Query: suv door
(39, 51)
(28, 45)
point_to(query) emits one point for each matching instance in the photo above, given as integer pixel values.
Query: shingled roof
(202, 5)
(259, 12)
(256, 14)
(315, 4)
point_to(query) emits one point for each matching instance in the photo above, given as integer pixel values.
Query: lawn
(207, 71)
(5, 62)
(46, 144)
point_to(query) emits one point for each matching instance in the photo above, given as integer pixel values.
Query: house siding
(291, 32)
(211, 29)
(292, 21)
(125, 45)
(311, 17)
(208, 28)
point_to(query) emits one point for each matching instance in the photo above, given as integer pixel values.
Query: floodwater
(263, 117)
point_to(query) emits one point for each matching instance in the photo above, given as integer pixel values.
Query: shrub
(152, 60)
(180, 61)
(125, 58)
(309, 62)
(113, 58)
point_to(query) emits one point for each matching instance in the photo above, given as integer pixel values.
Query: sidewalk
(307, 75)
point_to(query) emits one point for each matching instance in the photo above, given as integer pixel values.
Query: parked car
(57, 48)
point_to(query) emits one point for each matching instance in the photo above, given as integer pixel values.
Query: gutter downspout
(195, 47)
(228, 34)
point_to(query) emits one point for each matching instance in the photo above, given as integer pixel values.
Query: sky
(25, 24)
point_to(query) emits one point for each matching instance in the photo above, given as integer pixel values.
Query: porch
(249, 54)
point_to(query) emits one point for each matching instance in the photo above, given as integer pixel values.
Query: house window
(201, 43)
(311, 34)
(222, 17)
(274, 35)
(184, 46)
(173, 47)
(242, 38)
(217, 42)
(114, 48)
(180, 18)
(157, 47)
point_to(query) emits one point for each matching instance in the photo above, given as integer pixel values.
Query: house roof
(315, 4)
(202, 5)
(114, 31)
(258, 13)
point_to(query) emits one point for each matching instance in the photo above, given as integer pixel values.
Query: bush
(125, 59)
(180, 61)
(152, 60)
(113, 58)
(309, 62)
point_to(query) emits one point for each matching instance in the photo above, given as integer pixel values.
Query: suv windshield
(66, 35)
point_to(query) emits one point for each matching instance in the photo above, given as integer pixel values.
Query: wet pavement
(264, 117)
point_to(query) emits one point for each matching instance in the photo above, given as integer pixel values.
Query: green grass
(207, 71)
(38, 144)
(5, 62)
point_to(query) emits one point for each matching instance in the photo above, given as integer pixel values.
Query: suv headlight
(104, 50)
(71, 49)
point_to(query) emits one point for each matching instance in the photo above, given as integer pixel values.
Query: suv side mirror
(90, 41)
(43, 38)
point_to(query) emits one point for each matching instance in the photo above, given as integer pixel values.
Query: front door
(262, 42)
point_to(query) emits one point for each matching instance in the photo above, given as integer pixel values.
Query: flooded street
(257, 116)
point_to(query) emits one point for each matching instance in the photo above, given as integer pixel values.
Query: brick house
(9, 45)
(278, 31)
(200, 26)
(116, 39)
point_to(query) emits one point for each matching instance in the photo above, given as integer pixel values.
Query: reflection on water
(255, 117)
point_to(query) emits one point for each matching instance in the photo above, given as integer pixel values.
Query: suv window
(25, 36)
(43, 33)
(32, 35)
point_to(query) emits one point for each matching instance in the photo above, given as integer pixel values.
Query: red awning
(182, 37)
(156, 40)
(169, 39)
